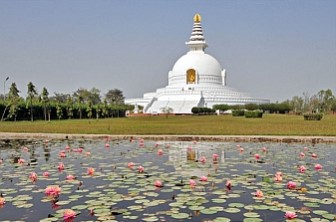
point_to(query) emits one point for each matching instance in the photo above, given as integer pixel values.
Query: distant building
(196, 80)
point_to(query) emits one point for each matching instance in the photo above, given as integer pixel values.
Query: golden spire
(197, 18)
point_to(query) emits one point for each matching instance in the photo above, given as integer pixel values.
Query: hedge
(202, 111)
(238, 112)
(253, 114)
(312, 116)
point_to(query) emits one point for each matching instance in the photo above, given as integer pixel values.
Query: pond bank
(7, 137)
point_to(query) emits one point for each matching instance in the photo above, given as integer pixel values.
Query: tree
(59, 111)
(104, 109)
(45, 102)
(115, 96)
(221, 107)
(69, 107)
(94, 96)
(89, 109)
(167, 110)
(314, 104)
(13, 101)
(333, 106)
(31, 94)
(79, 100)
(297, 104)
(325, 98)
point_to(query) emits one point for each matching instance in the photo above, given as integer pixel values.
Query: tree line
(322, 102)
(83, 103)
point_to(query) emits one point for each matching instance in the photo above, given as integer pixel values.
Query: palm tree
(13, 100)
(31, 94)
(45, 101)
(69, 107)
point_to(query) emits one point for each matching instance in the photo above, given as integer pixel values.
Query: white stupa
(196, 80)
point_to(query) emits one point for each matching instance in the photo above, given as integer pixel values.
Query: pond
(141, 180)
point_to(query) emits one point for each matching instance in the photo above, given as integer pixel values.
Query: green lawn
(182, 125)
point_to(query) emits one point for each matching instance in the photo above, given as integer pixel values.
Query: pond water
(106, 184)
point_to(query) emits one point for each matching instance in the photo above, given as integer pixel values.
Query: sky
(272, 49)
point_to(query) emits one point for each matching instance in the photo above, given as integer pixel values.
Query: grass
(270, 124)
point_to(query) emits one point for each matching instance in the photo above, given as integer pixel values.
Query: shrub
(238, 112)
(312, 116)
(202, 111)
(253, 114)
(221, 107)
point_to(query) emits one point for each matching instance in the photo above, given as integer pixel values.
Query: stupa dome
(206, 67)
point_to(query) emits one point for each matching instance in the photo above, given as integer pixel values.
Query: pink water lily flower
(158, 183)
(90, 171)
(159, 152)
(141, 169)
(302, 169)
(21, 161)
(290, 215)
(107, 145)
(203, 179)
(2, 201)
(305, 148)
(278, 177)
(192, 183)
(70, 177)
(202, 159)
(88, 153)
(141, 142)
(314, 155)
(130, 165)
(257, 156)
(53, 191)
(215, 157)
(259, 193)
(228, 184)
(291, 185)
(33, 176)
(302, 154)
(318, 166)
(67, 148)
(241, 150)
(264, 149)
(46, 174)
(69, 214)
(62, 154)
(60, 166)
(78, 150)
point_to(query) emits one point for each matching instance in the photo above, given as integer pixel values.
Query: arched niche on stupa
(191, 76)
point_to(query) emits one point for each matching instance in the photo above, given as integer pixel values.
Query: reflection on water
(117, 192)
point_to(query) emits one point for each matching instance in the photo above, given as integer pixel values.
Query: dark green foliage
(238, 112)
(251, 106)
(281, 108)
(23, 112)
(202, 111)
(221, 107)
(312, 116)
(253, 114)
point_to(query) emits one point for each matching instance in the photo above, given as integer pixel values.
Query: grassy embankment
(182, 125)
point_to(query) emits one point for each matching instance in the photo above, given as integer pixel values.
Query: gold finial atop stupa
(197, 18)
